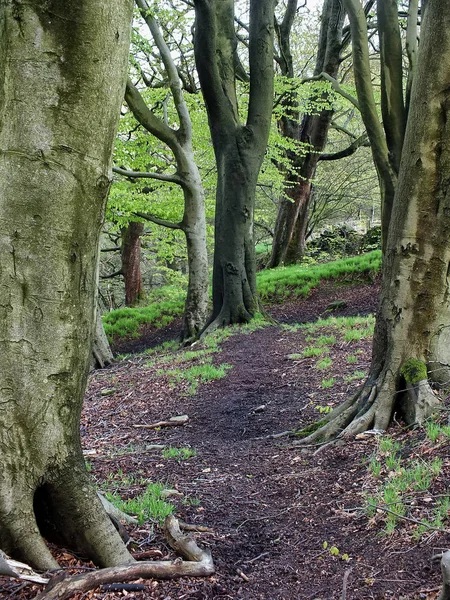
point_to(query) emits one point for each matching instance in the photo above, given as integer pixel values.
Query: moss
(414, 370)
(311, 428)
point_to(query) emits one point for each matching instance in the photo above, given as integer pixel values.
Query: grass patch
(399, 482)
(196, 374)
(179, 453)
(324, 364)
(148, 506)
(275, 285)
(328, 383)
(165, 305)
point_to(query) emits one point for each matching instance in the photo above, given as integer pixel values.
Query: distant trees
(412, 331)
(66, 62)
(310, 130)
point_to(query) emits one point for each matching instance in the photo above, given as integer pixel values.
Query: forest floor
(286, 522)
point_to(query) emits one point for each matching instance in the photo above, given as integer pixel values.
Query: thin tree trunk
(131, 263)
(239, 149)
(67, 64)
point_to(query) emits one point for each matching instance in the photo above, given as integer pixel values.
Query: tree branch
(335, 85)
(147, 119)
(158, 221)
(361, 141)
(172, 73)
(148, 175)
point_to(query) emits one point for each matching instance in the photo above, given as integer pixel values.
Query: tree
(187, 176)
(311, 131)
(412, 329)
(66, 62)
(239, 149)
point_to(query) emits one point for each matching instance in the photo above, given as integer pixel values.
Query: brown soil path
(273, 506)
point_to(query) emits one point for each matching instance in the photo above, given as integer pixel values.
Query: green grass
(179, 453)
(328, 383)
(324, 363)
(196, 374)
(398, 482)
(275, 285)
(313, 351)
(165, 305)
(149, 505)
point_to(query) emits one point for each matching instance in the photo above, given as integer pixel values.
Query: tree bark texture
(239, 149)
(62, 75)
(131, 263)
(291, 223)
(413, 317)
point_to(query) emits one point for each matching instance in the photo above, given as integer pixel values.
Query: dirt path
(273, 506)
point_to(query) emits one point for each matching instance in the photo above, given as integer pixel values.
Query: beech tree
(179, 140)
(239, 148)
(66, 62)
(412, 331)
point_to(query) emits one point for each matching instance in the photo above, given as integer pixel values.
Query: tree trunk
(67, 65)
(194, 228)
(290, 227)
(131, 263)
(239, 149)
(412, 320)
(102, 355)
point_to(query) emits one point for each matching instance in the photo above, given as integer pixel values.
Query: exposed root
(199, 563)
(445, 569)
(352, 417)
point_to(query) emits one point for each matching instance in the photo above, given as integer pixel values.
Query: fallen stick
(199, 563)
(172, 422)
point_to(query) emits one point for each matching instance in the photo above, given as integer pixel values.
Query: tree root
(198, 563)
(372, 407)
(445, 569)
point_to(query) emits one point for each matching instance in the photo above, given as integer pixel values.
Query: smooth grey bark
(385, 143)
(291, 223)
(102, 355)
(412, 320)
(193, 223)
(62, 76)
(239, 149)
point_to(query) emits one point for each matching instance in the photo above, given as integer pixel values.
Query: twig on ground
(411, 519)
(281, 512)
(344, 583)
(243, 575)
(172, 422)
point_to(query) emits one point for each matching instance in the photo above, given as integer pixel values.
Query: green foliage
(356, 375)
(414, 370)
(201, 373)
(149, 505)
(313, 351)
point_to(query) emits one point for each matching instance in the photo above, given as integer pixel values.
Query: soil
(287, 521)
